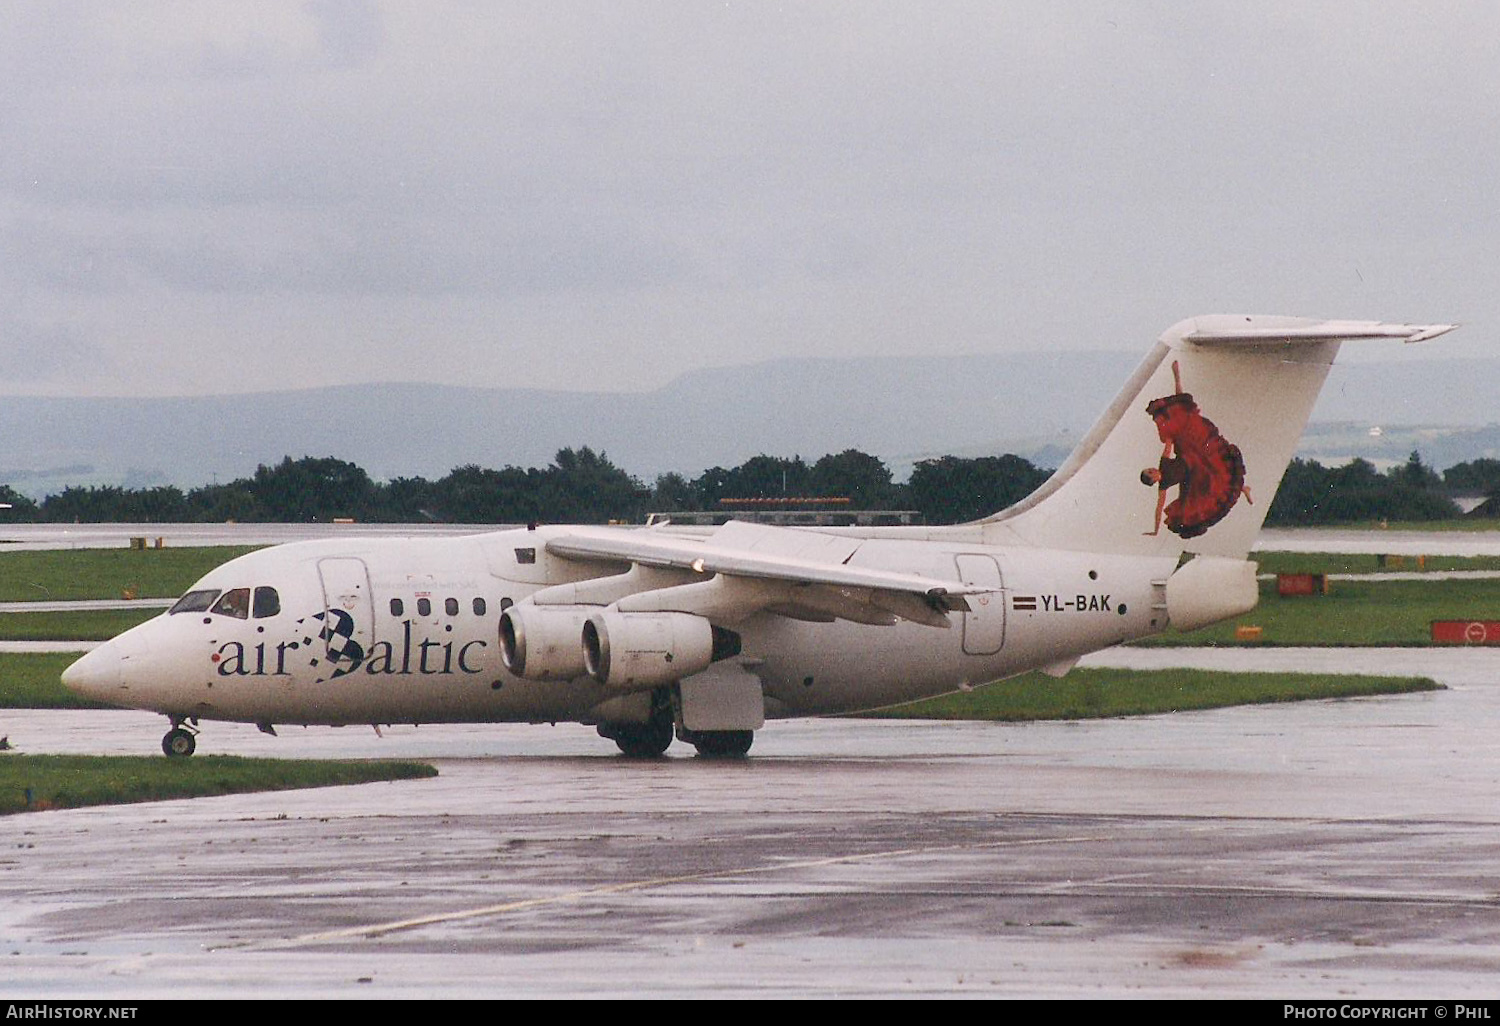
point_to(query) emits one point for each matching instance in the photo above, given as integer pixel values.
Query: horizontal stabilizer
(1247, 331)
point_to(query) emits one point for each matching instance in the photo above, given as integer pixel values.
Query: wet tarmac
(86, 605)
(1327, 849)
(23, 537)
(1387, 542)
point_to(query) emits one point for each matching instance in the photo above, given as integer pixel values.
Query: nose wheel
(179, 743)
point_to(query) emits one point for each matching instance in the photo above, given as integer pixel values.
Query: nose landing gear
(179, 742)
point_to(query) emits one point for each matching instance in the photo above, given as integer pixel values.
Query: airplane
(702, 634)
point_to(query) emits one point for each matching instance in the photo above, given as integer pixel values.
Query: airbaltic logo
(341, 644)
(344, 655)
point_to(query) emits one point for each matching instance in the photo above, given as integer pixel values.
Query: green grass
(1354, 613)
(82, 625)
(73, 781)
(1093, 693)
(30, 681)
(65, 574)
(1357, 563)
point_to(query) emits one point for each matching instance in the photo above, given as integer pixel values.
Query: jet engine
(640, 650)
(542, 642)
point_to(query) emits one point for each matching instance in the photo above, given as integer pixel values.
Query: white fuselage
(405, 631)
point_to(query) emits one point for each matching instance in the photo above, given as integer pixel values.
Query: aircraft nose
(97, 674)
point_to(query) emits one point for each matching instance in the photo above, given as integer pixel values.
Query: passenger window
(450, 606)
(479, 607)
(424, 607)
(267, 602)
(195, 601)
(397, 607)
(505, 604)
(235, 603)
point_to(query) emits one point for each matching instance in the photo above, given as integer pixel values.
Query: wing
(742, 569)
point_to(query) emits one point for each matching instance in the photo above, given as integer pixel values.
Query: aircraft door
(984, 623)
(349, 612)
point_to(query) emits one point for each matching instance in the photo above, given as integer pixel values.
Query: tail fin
(1190, 453)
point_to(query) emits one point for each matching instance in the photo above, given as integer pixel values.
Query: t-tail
(1190, 453)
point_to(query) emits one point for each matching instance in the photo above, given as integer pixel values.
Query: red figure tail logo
(1206, 469)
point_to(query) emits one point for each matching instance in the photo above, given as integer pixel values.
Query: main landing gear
(650, 740)
(643, 740)
(180, 741)
(720, 744)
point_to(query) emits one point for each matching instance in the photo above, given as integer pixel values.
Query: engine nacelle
(640, 650)
(543, 642)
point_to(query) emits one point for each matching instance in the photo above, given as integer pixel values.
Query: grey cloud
(761, 177)
(351, 31)
(47, 355)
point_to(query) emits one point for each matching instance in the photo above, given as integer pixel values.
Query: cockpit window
(267, 602)
(235, 603)
(195, 601)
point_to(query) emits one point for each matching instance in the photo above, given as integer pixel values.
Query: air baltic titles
(703, 634)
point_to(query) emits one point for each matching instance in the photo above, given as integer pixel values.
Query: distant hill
(901, 409)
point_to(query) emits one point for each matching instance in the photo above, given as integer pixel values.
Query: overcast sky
(200, 197)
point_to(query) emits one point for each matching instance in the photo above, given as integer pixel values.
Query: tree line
(579, 486)
(1312, 494)
(582, 486)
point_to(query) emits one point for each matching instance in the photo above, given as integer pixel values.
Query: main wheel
(723, 744)
(649, 740)
(178, 743)
(643, 740)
